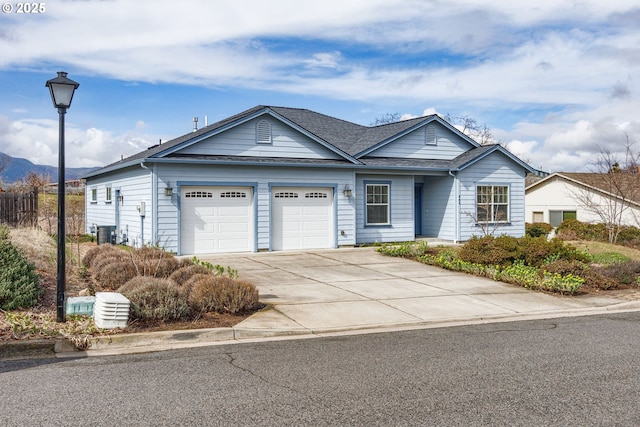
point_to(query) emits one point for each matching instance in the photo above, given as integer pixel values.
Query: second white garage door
(216, 219)
(301, 218)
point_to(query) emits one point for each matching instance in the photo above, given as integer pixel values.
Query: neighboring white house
(560, 196)
(274, 178)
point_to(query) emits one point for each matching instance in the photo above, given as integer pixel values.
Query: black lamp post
(61, 89)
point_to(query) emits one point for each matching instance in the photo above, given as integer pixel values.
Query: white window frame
(496, 202)
(108, 194)
(93, 195)
(375, 199)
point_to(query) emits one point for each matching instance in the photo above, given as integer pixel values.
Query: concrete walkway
(350, 289)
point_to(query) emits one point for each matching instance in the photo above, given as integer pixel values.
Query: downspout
(154, 187)
(456, 207)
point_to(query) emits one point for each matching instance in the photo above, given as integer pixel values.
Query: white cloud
(578, 61)
(37, 141)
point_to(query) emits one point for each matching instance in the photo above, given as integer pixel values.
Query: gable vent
(263, 132)
(431, 135)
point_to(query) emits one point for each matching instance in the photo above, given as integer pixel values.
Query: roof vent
(195, 124)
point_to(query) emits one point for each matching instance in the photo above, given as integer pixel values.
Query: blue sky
(555, 81)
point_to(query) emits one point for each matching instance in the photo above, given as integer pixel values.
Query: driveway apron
(359, 288)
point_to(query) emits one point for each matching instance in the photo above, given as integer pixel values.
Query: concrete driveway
(358, 288)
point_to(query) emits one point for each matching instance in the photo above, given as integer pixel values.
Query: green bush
(488, 251)
(520, 274)
(628, 234)
(538, 229)
(222, 294)
(156, 299)
(4, 232)
(505, 250)
(19, 283)
(573, 229)
(405, 249)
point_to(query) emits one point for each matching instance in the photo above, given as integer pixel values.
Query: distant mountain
(16, 169)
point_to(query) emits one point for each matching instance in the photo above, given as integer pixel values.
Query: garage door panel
(216, 219)
(302, 218)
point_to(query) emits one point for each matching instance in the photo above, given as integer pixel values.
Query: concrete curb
(168, 340)
(26, 349)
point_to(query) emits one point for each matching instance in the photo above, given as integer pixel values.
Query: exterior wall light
(347, 191)
(168, 191)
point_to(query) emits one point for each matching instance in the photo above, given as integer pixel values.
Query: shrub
(156, 299)
(107, 258)
(538, 229)
(133, 283)
(592, 278)
(484, 250)
(626, 273)
(98, 252)
(405, 249)
(181, 275)
(628, 234)
(19, 283)
(115, 274)
(520, 274)
(573, 229)
(4, 232)
(567, 284)
(152, 261)
(222, 294)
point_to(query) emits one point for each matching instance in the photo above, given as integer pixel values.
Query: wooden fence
(19, 209)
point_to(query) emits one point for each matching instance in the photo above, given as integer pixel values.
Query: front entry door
(417, 209)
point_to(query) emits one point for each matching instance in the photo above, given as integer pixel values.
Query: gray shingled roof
(349, 138)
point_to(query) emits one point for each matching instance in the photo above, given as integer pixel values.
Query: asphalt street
(555, 372)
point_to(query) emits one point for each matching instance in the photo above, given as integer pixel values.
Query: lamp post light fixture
(61, 89)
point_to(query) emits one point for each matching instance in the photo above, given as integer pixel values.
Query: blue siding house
(275, 178)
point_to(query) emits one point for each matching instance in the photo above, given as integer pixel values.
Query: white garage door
(216, 219)
(301, 218)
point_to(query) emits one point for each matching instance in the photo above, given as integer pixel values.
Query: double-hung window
(377, 204)
(492, 203)
(107, 196)
(94, 195)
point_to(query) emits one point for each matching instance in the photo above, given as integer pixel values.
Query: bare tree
(386, 119)
(479, 132)
(620, 183)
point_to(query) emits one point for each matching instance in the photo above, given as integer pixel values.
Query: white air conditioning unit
(111, 310)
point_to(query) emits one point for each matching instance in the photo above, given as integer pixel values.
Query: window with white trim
(431, 137)
(107, 195)
(263, 132)
(94, 195)
(492, 203)
(377, 209)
